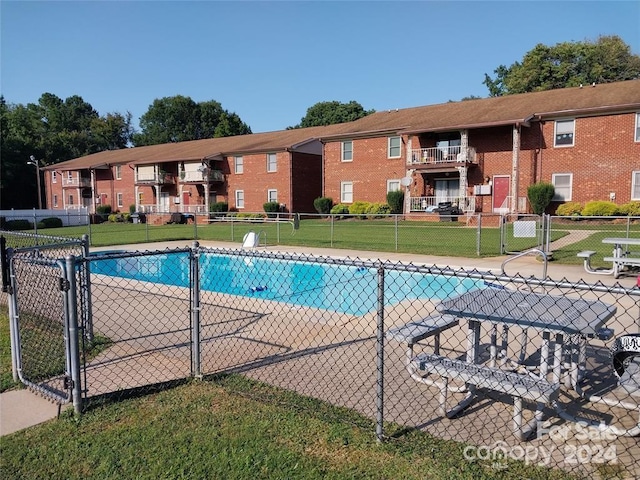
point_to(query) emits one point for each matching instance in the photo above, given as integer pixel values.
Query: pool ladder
(533, 251)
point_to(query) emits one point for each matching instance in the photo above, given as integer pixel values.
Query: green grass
(235, 429)
(6, 375)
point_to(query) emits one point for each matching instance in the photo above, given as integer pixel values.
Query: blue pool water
(346, 289)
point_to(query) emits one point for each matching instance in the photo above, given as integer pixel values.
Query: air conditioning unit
(482, 189)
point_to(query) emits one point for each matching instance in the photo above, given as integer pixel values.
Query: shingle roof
(506, 110)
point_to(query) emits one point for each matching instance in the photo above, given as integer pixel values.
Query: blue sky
(269, 61)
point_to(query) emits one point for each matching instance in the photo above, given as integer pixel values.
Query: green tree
(566, 64)
(540, 195)
(179, 118)
(52, 130)
(330, 113)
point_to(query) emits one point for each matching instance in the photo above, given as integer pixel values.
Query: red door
(185, 200)
(500, 194)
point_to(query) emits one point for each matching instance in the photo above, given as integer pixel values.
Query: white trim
(54, 176)
(637, 130)
(119, 200)
(344, 193)
(238, 164)
(389, 182)
(389, 147)
(118, 172)
(556, 197)
(573, 132)
(239, 198)
(342, 150)
(275, 163)
(269, 192)
(635, 184)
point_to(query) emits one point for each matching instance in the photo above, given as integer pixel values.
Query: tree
(330, 113)
(566, 64)
(52, 130)
(179, 118)
(540, 195)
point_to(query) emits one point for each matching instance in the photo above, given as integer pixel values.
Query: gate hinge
(68, 383)
(64, 285)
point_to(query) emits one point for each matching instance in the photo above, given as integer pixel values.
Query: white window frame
(238, 164)
(118, 172)
(71, 199)
(346, 196)
(343, 150)
(55, 199)
(637, 130)
(239, 196)
(54, 177)
(272, 162)
(119, 200)
(399, 147)
(69, 176)
(272, 195)
(635, 185)
(560, 197)
(573, 132)
(392, 183)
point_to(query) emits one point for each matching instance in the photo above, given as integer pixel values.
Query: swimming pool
(339, 288)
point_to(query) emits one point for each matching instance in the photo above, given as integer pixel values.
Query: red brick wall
(369, 170)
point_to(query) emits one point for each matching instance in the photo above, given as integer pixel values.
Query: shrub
(103, 209)
(340, 209)
(359, 208)
(18, 225)
(395, 200)
(219, 207)
(378, 209)
(116, 217)
(569, 209)
(600, 208)
(132, 208)
(540, 195)
(50, 222)
(631, 208)
(323, 205)
(271, 208)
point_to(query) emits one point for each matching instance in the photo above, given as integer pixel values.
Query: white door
(164, 202)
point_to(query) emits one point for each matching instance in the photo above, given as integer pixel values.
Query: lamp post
(35, 162)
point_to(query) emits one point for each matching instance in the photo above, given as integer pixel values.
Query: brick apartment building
(479, 154)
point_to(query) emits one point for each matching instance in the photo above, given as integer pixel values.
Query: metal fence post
(331, 231)
(195, 225)
(194, 287)
(396, 230)
(87, 312)
(71, 314)
(380, 358)
(479, 235)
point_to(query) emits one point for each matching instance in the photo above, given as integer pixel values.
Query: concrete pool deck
(20, 409)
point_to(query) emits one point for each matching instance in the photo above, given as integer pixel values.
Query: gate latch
(68, 383)
(64, 285)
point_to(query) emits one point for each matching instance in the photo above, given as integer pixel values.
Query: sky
(269, 61)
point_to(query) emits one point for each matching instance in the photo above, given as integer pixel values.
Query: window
(272, 195)
(347, 151)
(54, 177)
(238, 163)
(140, 198)
(635, 185)
(240, 198)
(70, 175)
(564, 133)
(638, 127)
(562, 183)
(272, 164)
(394, 148)
(70, 199)
(346, 192)
(119, 199)
(118, 172)
(393, 185)
(55, 200)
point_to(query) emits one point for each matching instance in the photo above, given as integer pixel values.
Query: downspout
(515, 167)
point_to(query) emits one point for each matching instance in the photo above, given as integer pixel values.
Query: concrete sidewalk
(20, 409)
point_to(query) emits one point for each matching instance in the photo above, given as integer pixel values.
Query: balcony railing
(439, 155)
(156, 178)
(76, 182)
(192, 208)
(210, 176)
(429, 204)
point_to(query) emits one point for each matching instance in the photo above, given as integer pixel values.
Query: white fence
(69, 217)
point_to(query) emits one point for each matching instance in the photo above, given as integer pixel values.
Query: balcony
(442, 156)
(429, 204)
(201, 176)
(76, 182)
(155, 178)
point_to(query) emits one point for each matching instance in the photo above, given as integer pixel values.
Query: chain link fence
(530, 369)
